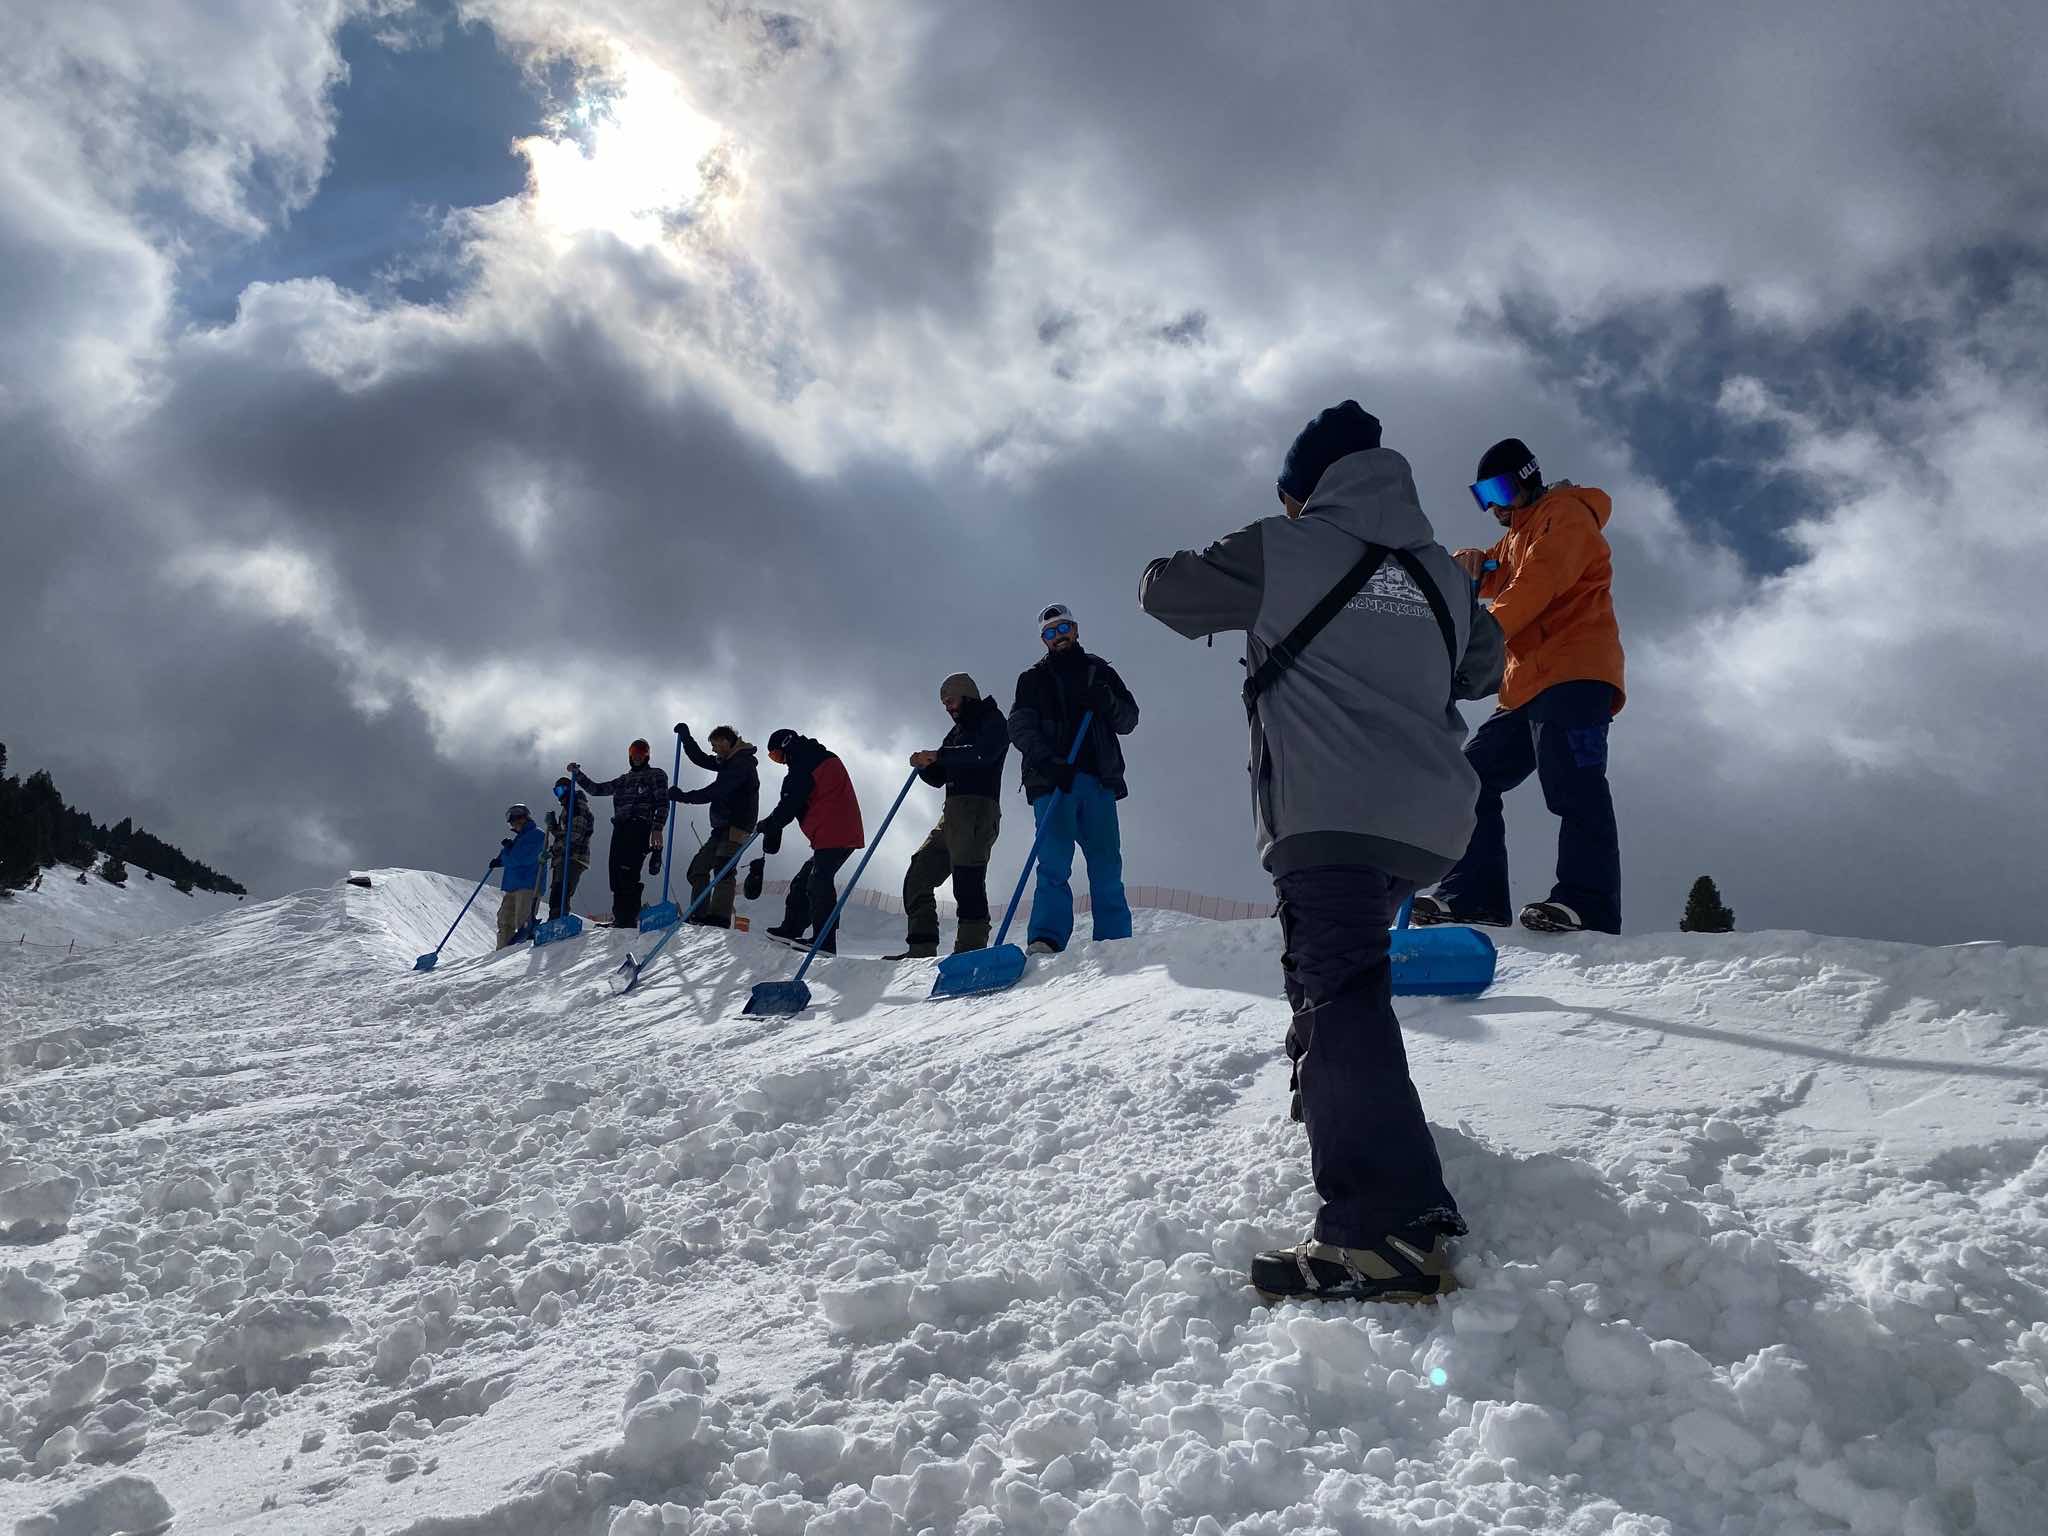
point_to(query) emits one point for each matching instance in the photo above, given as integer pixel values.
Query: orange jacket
(1553, 595)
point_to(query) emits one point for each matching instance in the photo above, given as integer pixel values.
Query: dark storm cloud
(1009, 309)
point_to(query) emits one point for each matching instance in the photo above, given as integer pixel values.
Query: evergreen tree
(1704, 911)
(113, 871)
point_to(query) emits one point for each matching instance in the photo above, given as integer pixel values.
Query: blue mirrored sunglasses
(1500, 491)
(1054, 631)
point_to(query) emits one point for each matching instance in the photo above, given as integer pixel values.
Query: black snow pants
(557, 902)
(628, 859)
(1370, 1149)
(813, 894)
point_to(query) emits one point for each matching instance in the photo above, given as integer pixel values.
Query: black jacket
(734, 796)
(639, 794)
(971, 757)
(1051, 697)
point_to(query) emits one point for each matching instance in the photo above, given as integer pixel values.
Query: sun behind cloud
(631, 160)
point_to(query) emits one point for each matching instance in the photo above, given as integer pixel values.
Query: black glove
(682, 729)
(1062, 776)
(771, 839)
(757, 873)
(497, 863)
(505, 842)
(654, 861)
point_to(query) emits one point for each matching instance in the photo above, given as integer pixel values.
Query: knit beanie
(1341, 430)
(958, 686)
(1510, 456)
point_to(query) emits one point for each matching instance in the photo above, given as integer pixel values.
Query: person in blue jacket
(519, 858)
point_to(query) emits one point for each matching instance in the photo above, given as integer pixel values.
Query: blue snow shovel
(663, 913)
(627, 976)
(1439, 962)
(565, 924)
(776, 998)
(428, 962)
(1002, 965)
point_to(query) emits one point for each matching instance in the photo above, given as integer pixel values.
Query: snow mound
(65, 913)
(1760, 1241)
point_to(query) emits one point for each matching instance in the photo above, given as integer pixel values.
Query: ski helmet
(638, 748)
(517, 811)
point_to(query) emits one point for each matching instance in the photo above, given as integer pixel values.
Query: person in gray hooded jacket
(1360, 794)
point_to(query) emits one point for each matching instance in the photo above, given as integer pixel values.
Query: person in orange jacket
(1550, 579)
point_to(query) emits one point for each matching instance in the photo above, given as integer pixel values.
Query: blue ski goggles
(1055, 631)
(1500, 491)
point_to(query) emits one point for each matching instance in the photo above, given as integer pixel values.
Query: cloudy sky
(398, 400)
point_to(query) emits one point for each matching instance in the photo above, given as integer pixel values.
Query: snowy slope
(1760, 1241)
(94, 913)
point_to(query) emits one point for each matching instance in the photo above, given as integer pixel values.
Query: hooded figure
(817, 794)
(1360, 793)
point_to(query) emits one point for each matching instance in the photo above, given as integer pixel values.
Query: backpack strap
(1284, 655)
(1437, 605)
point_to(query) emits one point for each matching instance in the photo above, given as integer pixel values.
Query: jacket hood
(1594, 500)
(1371, 496)
(745, 751)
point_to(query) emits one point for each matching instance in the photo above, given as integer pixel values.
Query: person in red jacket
(817, 794)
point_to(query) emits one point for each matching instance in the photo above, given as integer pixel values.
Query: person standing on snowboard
(968, 765)
(817, 794)
(639, 799)
(1359, 795)
(734, 797)
(519, 858)
(1552, 594)
(1052, 696)
(584, 823)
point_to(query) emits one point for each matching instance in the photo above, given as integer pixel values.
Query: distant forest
(38, 831)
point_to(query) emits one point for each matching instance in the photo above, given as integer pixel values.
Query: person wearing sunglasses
(1550, 579)
(1053, 696)
(1360, 637)
(519, 858)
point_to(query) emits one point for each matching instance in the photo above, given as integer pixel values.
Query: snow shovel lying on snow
(1439, 962)
(663, 913)
(777, 998)
(627, 976)
(1001, 965)
(566, 925)
(428, 962)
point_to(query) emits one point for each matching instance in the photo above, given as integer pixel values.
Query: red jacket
(817, 794)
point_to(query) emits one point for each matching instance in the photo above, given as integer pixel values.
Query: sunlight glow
(630, 163)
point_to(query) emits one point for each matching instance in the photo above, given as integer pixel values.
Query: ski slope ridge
(298, 1239)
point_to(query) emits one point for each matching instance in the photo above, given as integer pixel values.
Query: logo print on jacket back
(1391, 590)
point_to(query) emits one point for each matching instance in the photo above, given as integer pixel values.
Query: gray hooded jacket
(1358, 750)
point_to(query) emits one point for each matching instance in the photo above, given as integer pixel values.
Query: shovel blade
(1441, 962)
(567, 926)
(622, 980)
(777, 998)
(427, 962)
(979, 970)
(663, 914)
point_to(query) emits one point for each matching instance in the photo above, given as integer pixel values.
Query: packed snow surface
(298, 1239)
(64, 912)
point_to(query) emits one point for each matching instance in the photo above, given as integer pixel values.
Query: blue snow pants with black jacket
(1086, 817)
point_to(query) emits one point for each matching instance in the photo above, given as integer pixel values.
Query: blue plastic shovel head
(663, 914)
(778, 998)
(1441, 962)
(623, 979)
(979, 970)
(567, 926)
(427, 962)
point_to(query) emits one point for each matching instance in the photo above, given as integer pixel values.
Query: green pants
(718, 848)
(959, 849)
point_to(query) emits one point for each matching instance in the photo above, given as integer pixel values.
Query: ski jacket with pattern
(579, 838)
(817, 794)
(522, 859)
(1051, 698)
(734, 795)
(1553, 595)
(638, 794)
(1357, 751)
(971, 757)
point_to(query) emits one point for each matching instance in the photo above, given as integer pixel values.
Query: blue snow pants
(1087, 817)
(1561, 737)
(1369, 1144)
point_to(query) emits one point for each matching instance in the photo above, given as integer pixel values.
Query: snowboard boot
(972, 936)
(1429, 911)
(1411, 1265)
(710, 920)
(917, 947)
(1551, 917)
(786, 935)
(1042, 947)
